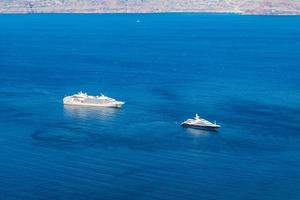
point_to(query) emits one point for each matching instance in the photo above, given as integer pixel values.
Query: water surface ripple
(242, 71)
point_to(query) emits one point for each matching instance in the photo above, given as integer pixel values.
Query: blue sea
(242, 71)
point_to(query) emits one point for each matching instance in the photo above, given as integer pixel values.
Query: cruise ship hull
(109, 105)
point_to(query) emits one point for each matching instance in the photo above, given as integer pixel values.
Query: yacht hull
(209, 128)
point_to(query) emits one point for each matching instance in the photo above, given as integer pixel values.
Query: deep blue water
(243, 71)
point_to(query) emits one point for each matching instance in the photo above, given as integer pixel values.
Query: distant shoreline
(161, 12)
(242, 7)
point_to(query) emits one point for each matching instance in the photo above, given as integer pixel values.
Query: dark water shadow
(262, 118)
(166, 94)
(13, 114)
(67, 134)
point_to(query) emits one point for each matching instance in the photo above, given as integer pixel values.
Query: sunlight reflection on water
(198, 132)
(82, 112)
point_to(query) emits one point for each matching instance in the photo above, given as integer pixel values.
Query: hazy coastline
(256, 7)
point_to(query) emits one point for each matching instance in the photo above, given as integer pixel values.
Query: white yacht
(200, 123)
(83, 99)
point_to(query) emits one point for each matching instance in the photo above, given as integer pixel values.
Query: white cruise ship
(83, 99)
(200, 123)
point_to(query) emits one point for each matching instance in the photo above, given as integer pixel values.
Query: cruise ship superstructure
(83, 99)
(200, 123)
